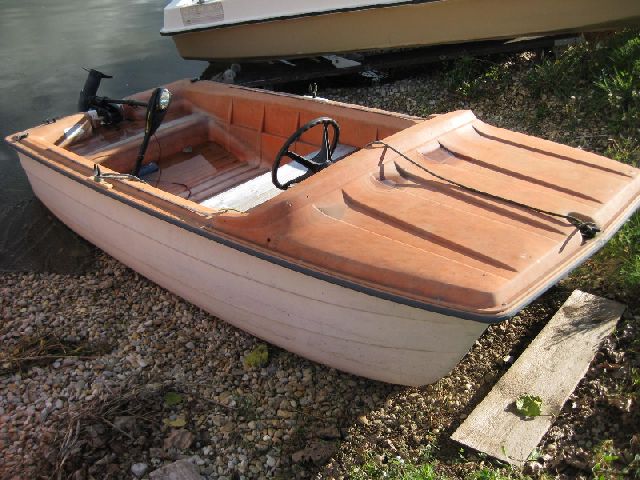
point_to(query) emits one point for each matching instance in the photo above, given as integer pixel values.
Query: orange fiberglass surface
(375, 218)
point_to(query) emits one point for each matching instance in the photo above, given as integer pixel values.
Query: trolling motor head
(89, 100)
(90, 89)
(156, 110)
(105, 107)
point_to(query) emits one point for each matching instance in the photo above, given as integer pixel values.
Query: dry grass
(121, 423)
(40, 350)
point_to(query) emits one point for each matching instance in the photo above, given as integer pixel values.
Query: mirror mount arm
(141, 152)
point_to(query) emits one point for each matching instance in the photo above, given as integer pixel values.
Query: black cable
(158, 182)
(587, 229)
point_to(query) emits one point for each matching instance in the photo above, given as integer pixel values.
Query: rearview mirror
(156, 110)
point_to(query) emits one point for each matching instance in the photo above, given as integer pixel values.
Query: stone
(125, 423)
(317, 451)
(227, 427)
(139, 469)
(105, 285)
(363, 420)
(179, 470)
(328, 433)
(180, 439)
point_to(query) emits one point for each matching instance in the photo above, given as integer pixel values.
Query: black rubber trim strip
(300, 15)
(488, 319)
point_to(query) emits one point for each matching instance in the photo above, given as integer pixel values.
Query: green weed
(623, 253)
(258, 357)
(625, 150)
(487, 473)
(635, 382)
(393, 467)
(605, 457)
(469, 76)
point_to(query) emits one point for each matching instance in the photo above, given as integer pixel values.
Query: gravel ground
(106, 375)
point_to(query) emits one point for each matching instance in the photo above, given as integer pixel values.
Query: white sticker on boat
(202, 13)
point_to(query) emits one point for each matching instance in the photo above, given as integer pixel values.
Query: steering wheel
(320, 160)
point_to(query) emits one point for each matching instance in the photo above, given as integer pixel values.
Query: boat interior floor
(257, 190)
(213, 177)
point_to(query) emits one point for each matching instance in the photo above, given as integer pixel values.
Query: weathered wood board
(550, 367)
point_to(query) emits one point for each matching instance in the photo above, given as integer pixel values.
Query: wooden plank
(550, 368)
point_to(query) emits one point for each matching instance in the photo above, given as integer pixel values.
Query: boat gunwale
(488, 316)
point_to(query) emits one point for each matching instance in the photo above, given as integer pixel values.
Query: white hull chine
(327, 323)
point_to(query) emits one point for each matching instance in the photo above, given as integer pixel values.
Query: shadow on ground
(32, 239)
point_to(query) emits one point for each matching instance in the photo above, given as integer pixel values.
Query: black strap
(588, 230)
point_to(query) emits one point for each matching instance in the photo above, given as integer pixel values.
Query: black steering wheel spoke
(324, 149)
(300, 159)
(319, 161)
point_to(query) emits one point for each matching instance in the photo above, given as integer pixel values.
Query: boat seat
(258, 190)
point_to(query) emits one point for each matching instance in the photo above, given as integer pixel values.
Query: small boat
(234, 30)
(377, 243)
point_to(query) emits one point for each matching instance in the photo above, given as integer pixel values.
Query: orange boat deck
(373, 220)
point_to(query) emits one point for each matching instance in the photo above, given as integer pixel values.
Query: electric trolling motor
(106, 108)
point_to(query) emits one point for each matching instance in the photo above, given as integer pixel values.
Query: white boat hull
(327, 323)
(252, 30)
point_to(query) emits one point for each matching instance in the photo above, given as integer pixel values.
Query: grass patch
(472, 76)
(394, 467)
(258, 357)
(425, 467)
(599, 82)
(494, 474)
(605, 457)
(623, 253)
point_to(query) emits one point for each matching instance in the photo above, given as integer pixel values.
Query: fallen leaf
(172, 398)
(529, 405)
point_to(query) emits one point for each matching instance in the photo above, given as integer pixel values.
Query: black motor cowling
(90, 89)
(106, 108)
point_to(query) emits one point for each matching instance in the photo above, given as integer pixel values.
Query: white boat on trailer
(241, 30)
